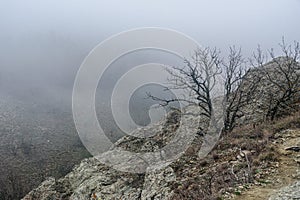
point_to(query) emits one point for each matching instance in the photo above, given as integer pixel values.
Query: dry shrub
(269, 157)
(221, 170)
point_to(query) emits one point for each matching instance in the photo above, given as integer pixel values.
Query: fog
(43, 43)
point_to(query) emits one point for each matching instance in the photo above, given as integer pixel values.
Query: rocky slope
(242, 161)
(237, 168)
(93, 179)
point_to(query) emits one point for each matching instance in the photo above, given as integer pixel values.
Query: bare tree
(282, 75)
(197, 78)
(240, 86)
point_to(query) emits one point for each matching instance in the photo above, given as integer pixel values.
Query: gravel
(291, 192)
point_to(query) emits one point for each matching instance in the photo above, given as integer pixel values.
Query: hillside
(248, 163)
(252, 162)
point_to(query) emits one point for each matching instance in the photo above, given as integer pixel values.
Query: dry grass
(226, 167)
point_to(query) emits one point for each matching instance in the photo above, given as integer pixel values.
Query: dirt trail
(288, 171)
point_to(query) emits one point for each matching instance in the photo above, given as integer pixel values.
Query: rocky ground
(282, 179)
(250, 163)
(289, 192)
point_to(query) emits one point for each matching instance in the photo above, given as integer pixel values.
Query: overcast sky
(46, 41)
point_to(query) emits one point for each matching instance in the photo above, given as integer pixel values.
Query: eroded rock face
(157, 184)
(276, 69)
(91, 178)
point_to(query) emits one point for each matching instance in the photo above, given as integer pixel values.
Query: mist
(44, 43)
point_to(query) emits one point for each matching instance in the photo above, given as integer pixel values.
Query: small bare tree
(239, 87)
(282, 75)
(197, 78)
